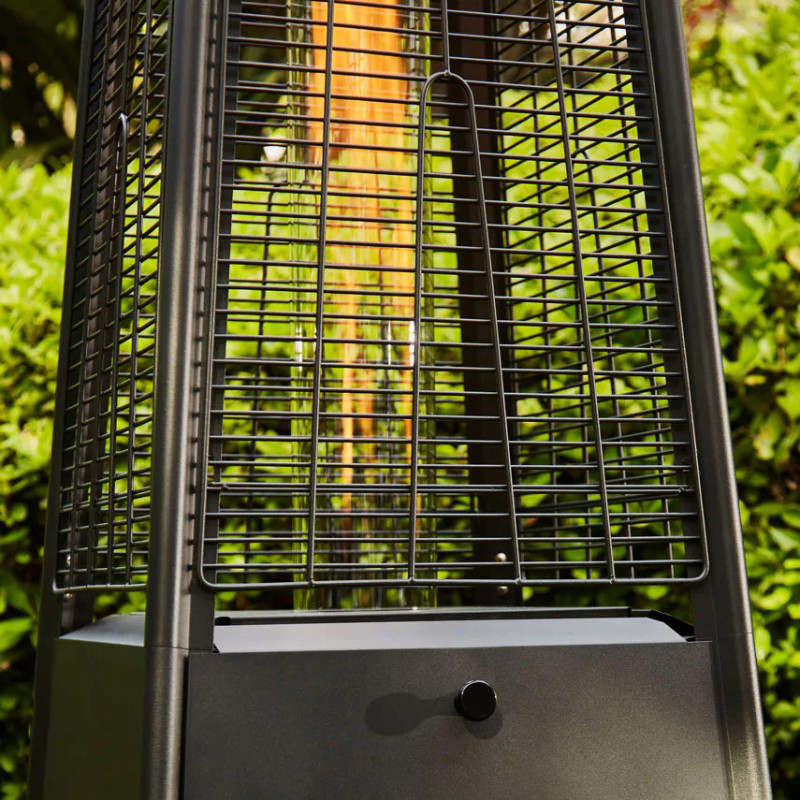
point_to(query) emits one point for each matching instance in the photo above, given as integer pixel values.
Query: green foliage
(747, 96)
(33, 220)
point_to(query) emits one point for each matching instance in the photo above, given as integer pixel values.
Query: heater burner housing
(391, 323)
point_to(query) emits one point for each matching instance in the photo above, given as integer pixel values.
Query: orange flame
(369, 106)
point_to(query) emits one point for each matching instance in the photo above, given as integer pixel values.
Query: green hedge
(33, 226)
(747, 94)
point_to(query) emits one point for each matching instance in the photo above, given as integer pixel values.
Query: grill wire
(443, 341)
(446, 344)
(103, 527)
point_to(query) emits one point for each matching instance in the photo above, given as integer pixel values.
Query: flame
(369, 107)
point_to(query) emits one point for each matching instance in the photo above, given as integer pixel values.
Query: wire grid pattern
(105, 474)
(447, 347)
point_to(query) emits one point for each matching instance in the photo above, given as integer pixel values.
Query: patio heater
(388, 352)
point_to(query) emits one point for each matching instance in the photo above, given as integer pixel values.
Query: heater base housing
(607, 707)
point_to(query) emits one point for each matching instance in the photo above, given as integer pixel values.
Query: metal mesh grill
(105, 476)
(446, 343)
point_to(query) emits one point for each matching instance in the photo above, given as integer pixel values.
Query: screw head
(476, 700)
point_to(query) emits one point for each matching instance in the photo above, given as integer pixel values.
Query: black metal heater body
(388, 333)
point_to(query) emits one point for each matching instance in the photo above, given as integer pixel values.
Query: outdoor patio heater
(389, 368)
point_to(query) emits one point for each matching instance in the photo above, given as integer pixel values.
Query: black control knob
(476, 700)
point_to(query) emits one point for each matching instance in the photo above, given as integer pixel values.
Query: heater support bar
(720, 605)
(171, 589)
(319, 332)
(53, 607)
(447, 75)
(471, 54)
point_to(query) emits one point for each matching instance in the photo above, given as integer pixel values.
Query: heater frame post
(179, 613)
(55, 609)
(720, 605)
(477, 72)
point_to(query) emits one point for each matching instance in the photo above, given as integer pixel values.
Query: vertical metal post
(720, 605)
(222, 172)
(51, 605)
(170, 589)
(471, 48)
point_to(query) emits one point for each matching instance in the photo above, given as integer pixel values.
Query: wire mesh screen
(446, 341)
(105, 472)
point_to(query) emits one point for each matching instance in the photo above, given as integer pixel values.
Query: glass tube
(368, 336)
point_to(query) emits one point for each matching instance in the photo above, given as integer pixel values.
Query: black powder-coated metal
(574, 721)
(476, 701)
(523, 288)
(95, 728)
(105, 458)
(366, 387)
(371, 714)
(442, 342)
(169, 596)
(54, 612)
(720, 606)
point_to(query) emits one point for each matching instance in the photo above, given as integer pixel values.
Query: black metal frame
(180, 610)
(55, 612)
(485, 421)
(720, 606)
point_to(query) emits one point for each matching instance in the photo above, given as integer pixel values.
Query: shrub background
(746, 76)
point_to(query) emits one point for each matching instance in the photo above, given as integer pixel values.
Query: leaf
(734, 184)
(789, 400)
(778, 598)
(769, 509)
(786, 540)
(793, 257)
(763, 643)
(12, 630)
(14, 593)
(767, 436)
(791, 515)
